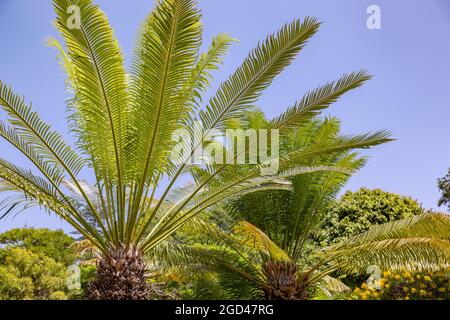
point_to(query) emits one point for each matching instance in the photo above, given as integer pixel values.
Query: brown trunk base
(120, 276)
(283, 282)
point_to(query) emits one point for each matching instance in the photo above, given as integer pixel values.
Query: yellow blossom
(364, 286)
(386, 274)
(405, 289)
(413, 290)
(423, 293)
(397, 277)
(427, 278)
(442, 289)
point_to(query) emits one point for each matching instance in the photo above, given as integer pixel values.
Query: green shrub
(25, 275)
(356, 212)
(51, 243)
(33, 264)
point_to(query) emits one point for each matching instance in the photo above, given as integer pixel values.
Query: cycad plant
(123, 121)
(249, 265)
(270, 253)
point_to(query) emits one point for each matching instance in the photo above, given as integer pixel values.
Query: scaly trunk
(283, 282)
(120, 276)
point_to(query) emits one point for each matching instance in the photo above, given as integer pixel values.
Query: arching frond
(416, 243)
(207, 62)
(433, 225)
(363, 141)
(52, 172)
(37, 134)
(164, 59)
(257, 72)
(412, 253)
(99, 106)
(260, 241)
(37, 191)
(315, 101)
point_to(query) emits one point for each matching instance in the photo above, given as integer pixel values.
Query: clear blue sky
(409, 57)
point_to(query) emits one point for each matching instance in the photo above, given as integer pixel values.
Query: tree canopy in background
(33, 264)
(54, 244)
(356, 212)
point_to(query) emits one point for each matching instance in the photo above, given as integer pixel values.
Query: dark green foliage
(288, 217)
(25, 275)
(444, 187)
(33, 264)
(356, 212)
(54, 244)
(204, 286)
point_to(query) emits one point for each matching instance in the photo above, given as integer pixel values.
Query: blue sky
(409, 58)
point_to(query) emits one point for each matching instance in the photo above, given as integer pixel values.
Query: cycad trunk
(120, 276)
(283, 282)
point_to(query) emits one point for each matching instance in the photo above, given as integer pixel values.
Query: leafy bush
(33, 264)
(407, 286)
(25, 275)
(55, 244)
(356, 212)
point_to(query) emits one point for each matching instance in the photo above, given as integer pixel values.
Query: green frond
(416, 243)
(97, 76)
(317, 100)
(29, 190)
(363, 141)
(411, 253)
(24, 181)
(46, 143)
(257, 72)
(332, 284)
(256, 238)
(52, 173)
(207, 62)
(429, 224)
(33, 190)
(165, 56)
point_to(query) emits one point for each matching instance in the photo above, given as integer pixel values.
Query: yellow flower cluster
(404, 285)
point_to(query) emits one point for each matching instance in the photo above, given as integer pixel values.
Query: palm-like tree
(249, 265)
(271, 255)
(290, 216)
(123, 124)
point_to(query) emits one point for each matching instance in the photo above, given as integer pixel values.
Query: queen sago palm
(123, 122)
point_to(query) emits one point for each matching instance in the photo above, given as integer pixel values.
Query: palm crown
(123, 122)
